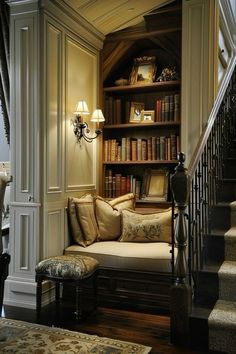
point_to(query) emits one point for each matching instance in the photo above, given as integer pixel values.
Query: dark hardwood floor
(147, 329)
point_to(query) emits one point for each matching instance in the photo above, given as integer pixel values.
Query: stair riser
(229, 168)
(220, 218)
(207, 289)
(230, 250)
(226, 192)
(214, 248)
(227, 289)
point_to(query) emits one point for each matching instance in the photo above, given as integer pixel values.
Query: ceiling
(112, 15)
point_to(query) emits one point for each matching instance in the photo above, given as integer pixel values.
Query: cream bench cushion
(153, 257)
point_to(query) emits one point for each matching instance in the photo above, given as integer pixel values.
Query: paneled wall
(54, 63)
(199, 69)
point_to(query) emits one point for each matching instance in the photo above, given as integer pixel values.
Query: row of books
(117, 185)
(152, 148)
(167, 109)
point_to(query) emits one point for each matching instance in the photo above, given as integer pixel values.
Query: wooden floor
(147, 329)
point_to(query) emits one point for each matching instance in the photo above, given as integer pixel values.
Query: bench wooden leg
(38, 297)
(95, 284)
(78, 300)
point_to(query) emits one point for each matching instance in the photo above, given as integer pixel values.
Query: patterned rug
(26, 338)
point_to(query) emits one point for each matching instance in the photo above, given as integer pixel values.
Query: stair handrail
(209, 124)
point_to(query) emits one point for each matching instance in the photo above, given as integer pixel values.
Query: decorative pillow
(75, 228)
(137, 227)
(109, 217)
(86, 215)
(126, 201)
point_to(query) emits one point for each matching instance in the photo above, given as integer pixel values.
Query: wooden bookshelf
(161, 97)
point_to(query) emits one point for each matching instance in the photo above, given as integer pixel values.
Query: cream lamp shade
(81, 108)
(97, 116)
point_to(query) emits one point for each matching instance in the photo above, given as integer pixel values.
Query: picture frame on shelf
(155, 185)
(136, 109)
(147, 116)
(143, 71)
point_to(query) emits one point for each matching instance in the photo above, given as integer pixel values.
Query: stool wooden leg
(57, 293)
(38, 297)
(78, 312)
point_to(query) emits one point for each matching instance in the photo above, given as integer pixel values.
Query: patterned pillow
(139, 227)
(108, 215)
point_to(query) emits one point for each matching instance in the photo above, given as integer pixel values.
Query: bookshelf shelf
(155, 86)
(145, 162)
(141, 125)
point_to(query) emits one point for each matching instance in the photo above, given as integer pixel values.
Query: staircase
(213, 317)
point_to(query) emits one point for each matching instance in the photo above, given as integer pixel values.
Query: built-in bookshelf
(129, 148)
(143, 119)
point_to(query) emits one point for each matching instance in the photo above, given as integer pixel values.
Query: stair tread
(228, 267)
(212, 267)
(202, 312)
(224, 312)
(228, 179)
(217, 232)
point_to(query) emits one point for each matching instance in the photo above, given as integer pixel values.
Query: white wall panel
(53, 238)
(24, 232)
(53, 100)
(24, 108)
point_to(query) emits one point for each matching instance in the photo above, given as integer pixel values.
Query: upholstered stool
(67, 268)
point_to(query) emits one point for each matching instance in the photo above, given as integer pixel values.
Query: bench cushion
(151, 257)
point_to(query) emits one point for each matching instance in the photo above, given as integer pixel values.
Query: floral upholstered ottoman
(66, 268)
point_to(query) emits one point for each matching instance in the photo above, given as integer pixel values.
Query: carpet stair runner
(222, 319)
(214, 314)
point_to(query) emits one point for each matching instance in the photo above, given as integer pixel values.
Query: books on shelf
(116, 184)
(168, 108)
(150, 149)
(117, 112)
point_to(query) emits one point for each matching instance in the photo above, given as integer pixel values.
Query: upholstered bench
(66, 269)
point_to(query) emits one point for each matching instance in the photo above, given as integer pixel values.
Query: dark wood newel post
(180, 297)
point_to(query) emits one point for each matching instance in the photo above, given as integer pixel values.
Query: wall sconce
(81, 129)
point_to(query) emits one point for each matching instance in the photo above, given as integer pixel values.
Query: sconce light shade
(97, 116)
(81, 107)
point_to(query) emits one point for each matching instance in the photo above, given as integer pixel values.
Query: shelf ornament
(143, 71)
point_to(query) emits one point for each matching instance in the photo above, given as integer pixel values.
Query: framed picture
(143, 71)
(155, 185)
(136, 109)
(147, 116)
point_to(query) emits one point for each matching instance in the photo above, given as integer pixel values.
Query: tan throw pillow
(108, 215)
(126, 201)
(75, 228)
(108, 220)
(86, 216)
(137, 227)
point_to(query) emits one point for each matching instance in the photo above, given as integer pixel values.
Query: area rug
(26, 338)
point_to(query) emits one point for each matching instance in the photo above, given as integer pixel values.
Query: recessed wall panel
(54, 109)
(81, 83)
(54, 235)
